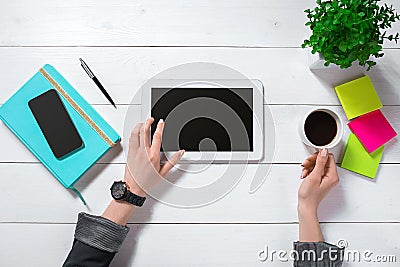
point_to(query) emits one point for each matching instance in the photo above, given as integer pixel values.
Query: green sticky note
(357, 159)
(358, 97)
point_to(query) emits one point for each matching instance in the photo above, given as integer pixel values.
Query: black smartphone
(55, 123)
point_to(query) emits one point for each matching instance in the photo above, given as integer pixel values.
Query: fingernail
(182, 152)
(303, 173)
(161, 121)
(324, 152)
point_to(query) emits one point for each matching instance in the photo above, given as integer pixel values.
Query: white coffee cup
(339, 123)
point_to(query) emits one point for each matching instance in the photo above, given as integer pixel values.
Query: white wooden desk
(126, 43)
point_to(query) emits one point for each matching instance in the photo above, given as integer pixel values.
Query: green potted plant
(345, 31)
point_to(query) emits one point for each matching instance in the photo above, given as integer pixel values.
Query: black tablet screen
(204, 119)
(55, 123)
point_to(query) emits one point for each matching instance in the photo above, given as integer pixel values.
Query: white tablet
(213, 120)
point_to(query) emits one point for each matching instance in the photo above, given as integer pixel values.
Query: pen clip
(86, 68)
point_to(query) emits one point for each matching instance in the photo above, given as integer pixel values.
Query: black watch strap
(134, 199)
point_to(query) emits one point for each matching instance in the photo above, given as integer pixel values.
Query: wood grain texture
(193, 245)
(355, 199)
(256, 23)
(284, 71)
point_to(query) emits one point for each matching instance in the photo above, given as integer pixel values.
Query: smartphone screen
(55, 123)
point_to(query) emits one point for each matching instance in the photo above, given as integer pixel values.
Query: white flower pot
(316, 62)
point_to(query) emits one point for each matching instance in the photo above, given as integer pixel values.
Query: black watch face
(118, 190)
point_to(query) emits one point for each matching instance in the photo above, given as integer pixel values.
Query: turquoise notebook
(97, 135)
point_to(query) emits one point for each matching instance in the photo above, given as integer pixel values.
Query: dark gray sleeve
(99, 232)
(96, 241)
(317, 254)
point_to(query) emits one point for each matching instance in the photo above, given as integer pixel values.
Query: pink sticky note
(372, 129)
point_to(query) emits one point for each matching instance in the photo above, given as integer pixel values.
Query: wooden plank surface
(256, 23)
(284, 122)
(127, 43)
(355, 199)
(123, 70)
(193, 244)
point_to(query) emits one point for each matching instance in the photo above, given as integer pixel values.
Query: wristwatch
(120, 191)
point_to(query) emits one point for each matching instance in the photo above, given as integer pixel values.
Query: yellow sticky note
(357, 159)
(358, 97)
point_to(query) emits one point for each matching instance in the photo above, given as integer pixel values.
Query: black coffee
(320, 128)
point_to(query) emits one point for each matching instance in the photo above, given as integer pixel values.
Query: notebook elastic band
(78, 194)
